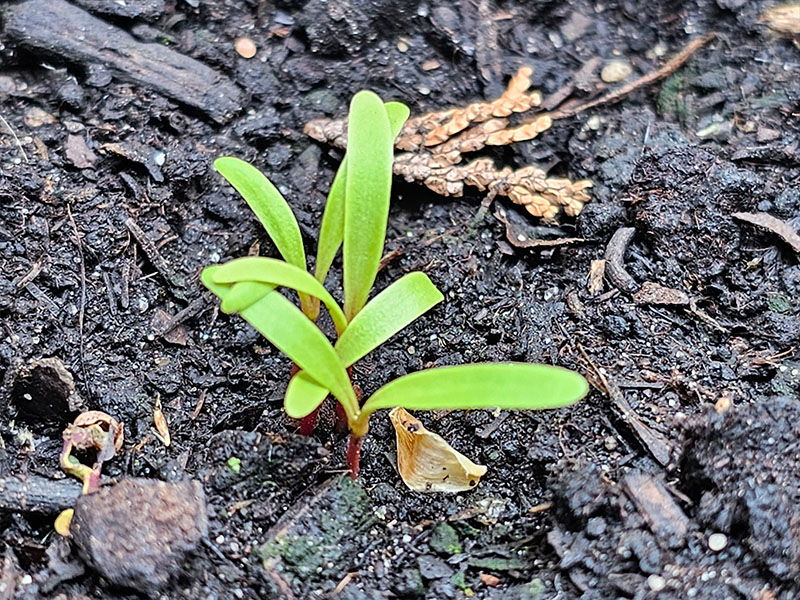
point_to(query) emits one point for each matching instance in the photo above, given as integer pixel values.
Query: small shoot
(355, 219)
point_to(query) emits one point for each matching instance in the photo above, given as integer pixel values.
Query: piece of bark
(34, 493)
(655, 293)
(773, 224)
(147, 10)
(55, 27)
(615, 263)
(663, 515)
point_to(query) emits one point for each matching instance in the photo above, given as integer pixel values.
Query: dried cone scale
(433, 146)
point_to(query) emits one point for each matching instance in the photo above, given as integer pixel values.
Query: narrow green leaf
(244, 294)
(271, 209)
(387, 313)
(279, 273)
(367, 193)
(289, 330)
(234, 297)
(331, 231)
(269, 206)
(394, 308)
(518, 386)
(303, 395)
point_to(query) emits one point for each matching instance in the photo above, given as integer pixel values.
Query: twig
(156, 259)
(654, 442)
(34, 493)
(194, 308)
(615, 264)
(618, 94)
(82, 308)
(16, 139)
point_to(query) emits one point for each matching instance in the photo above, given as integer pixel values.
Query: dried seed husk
(426, 462)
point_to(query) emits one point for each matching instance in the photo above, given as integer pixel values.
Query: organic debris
(433, 145)
(91, 430)
(783, 230)
(426, 462)
(784, 20)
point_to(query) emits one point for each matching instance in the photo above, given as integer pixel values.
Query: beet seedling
(355, 219)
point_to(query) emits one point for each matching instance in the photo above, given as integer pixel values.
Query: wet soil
(675, 478)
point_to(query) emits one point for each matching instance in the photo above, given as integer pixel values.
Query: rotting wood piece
(34, 493)
(56, 27)
(433, 147)
(658, 508)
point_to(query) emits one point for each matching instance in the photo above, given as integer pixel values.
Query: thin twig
(16, 139)
(618, 94)
(82, 309)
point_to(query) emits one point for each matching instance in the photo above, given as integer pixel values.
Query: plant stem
(309, 423)
(354, 454)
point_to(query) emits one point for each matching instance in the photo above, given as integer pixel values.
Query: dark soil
(691, 429)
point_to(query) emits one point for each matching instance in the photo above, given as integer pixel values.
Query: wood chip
(658, 508)
(597, 272)
(78, 153)
(773, 224)
(655, 293)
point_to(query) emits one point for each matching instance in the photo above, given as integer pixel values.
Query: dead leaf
(426, 462)
(773, 224)
(521, 233)
(161, 422)
(63, 521)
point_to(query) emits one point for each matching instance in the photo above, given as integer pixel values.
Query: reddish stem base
(354, 454)
(309, 423)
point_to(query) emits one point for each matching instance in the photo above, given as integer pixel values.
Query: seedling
(355, 219)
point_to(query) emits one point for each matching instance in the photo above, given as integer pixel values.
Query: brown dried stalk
(432, 146)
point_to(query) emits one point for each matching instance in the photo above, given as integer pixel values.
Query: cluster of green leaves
(354, 220)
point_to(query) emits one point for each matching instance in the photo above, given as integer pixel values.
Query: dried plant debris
(426, 462)
(783, 230)
(784, 20)
(433, 146)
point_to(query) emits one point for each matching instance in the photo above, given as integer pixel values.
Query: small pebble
(610, 443)
(245, 47)
(615, 71)
(593, 123)
(656, 582)
(717, 541)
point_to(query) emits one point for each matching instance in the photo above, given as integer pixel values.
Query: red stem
(309, 423)
(354, 454)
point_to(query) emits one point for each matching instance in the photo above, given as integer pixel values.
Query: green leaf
(367, 193)
(269, 206)
(331, 231)
(234, 297)
(303, 395)
(289, 330)
(279, 273)
(271, 209)
(518, 386)
(387, 313)
(394, 308)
